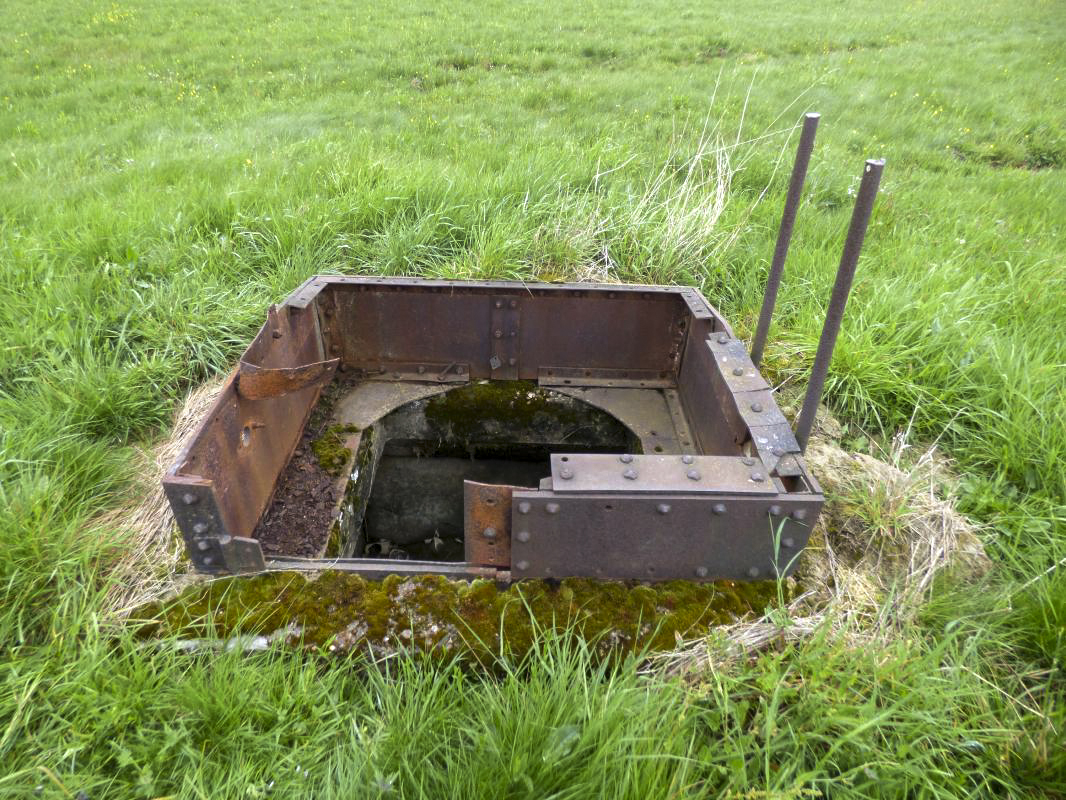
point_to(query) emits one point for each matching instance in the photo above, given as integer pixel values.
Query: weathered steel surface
(654, 473)
(665, 537)
(255, 382)
(660, 360)
(487, 529)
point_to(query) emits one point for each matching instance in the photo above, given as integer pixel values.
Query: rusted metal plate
(734, 365)
(667, 537)
(606, 378)
(255, 382)
(422, 372)
(583, 472)
(773, 442)
(487, 523)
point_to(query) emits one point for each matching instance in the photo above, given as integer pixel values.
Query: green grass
(169, 171)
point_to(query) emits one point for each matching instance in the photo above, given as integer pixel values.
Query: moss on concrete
(338, 611)
(330, 450)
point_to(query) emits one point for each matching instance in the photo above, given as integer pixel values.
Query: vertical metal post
(860, 218)
(784, 234)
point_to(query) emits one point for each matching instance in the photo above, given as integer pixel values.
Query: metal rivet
(630, 474)
(460, 370)
(333, 348)
(489, 533)
(523, 507)
(723, 338)
(513, 304)
(276, 334)
(625, 458)
(188, 499)
(748, 462)
(799, 513)
(523, 536)
(738, 371)
(566, 473)
(753, 572)
(552, 508)
(686, 459)
(663, 508)
(788, 541)
(200, 527)
(701, 572)
(758, 477)
(396, 374)
(775, 511)
(421, 370)
(756, 407)
(514, 333)
(512, 361)
(719, 508)
(522, 565)
(203, 544)
(499, 304)
(498, 334)
(693, 475)
(777, 451)
(208, 561)
(224, 539)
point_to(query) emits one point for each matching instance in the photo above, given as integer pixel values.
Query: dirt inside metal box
(495, 429)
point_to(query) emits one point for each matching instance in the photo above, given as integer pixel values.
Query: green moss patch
(330, 450)
(338, 610)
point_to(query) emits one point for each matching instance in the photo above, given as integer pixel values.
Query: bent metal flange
(715, 487)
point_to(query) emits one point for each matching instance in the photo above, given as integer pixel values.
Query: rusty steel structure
(658, 450)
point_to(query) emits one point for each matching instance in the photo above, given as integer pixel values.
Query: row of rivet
(200, 528)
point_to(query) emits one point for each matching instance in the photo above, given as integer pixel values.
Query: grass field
(169, 170)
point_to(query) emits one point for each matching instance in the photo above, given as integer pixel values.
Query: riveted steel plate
(668, 537)
(487, 523)
(655, 473)
(735, 366)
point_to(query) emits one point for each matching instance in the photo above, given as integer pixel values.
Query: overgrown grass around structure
(167, 171)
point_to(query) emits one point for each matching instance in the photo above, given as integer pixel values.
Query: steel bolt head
(758, 477)
(719, 508)
(799, 513)
(777, 451)
(552, 508)
(566, 473)
(203, 544)
(523, 536)
(738, 371)
(686, 459)
(775, 511)
(701, 572)
(663, 508)
(522, 565)
(693, 475)
(489, 533)
(625, 458)
(630, 474)
(789, 542)
(200, 528)
(188, 498)
(523, 507)
(723, 338)
(753, 572)
(756, 407)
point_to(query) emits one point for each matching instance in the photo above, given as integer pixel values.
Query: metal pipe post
(860, 218)
(784, 234)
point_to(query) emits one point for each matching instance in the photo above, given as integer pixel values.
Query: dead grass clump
(889, 527)
(152, 558)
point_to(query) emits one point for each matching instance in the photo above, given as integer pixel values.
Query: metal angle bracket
(684, 474)
(505, 335)
(209, 544)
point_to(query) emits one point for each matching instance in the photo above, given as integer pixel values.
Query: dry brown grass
(152, 559)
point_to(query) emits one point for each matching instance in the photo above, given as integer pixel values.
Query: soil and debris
(300, 516)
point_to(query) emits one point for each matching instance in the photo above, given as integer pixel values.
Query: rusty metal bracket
(606, 378)
(487, 523)
(420, 371)
(684, 474)
(255, 382)
(504, 333)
